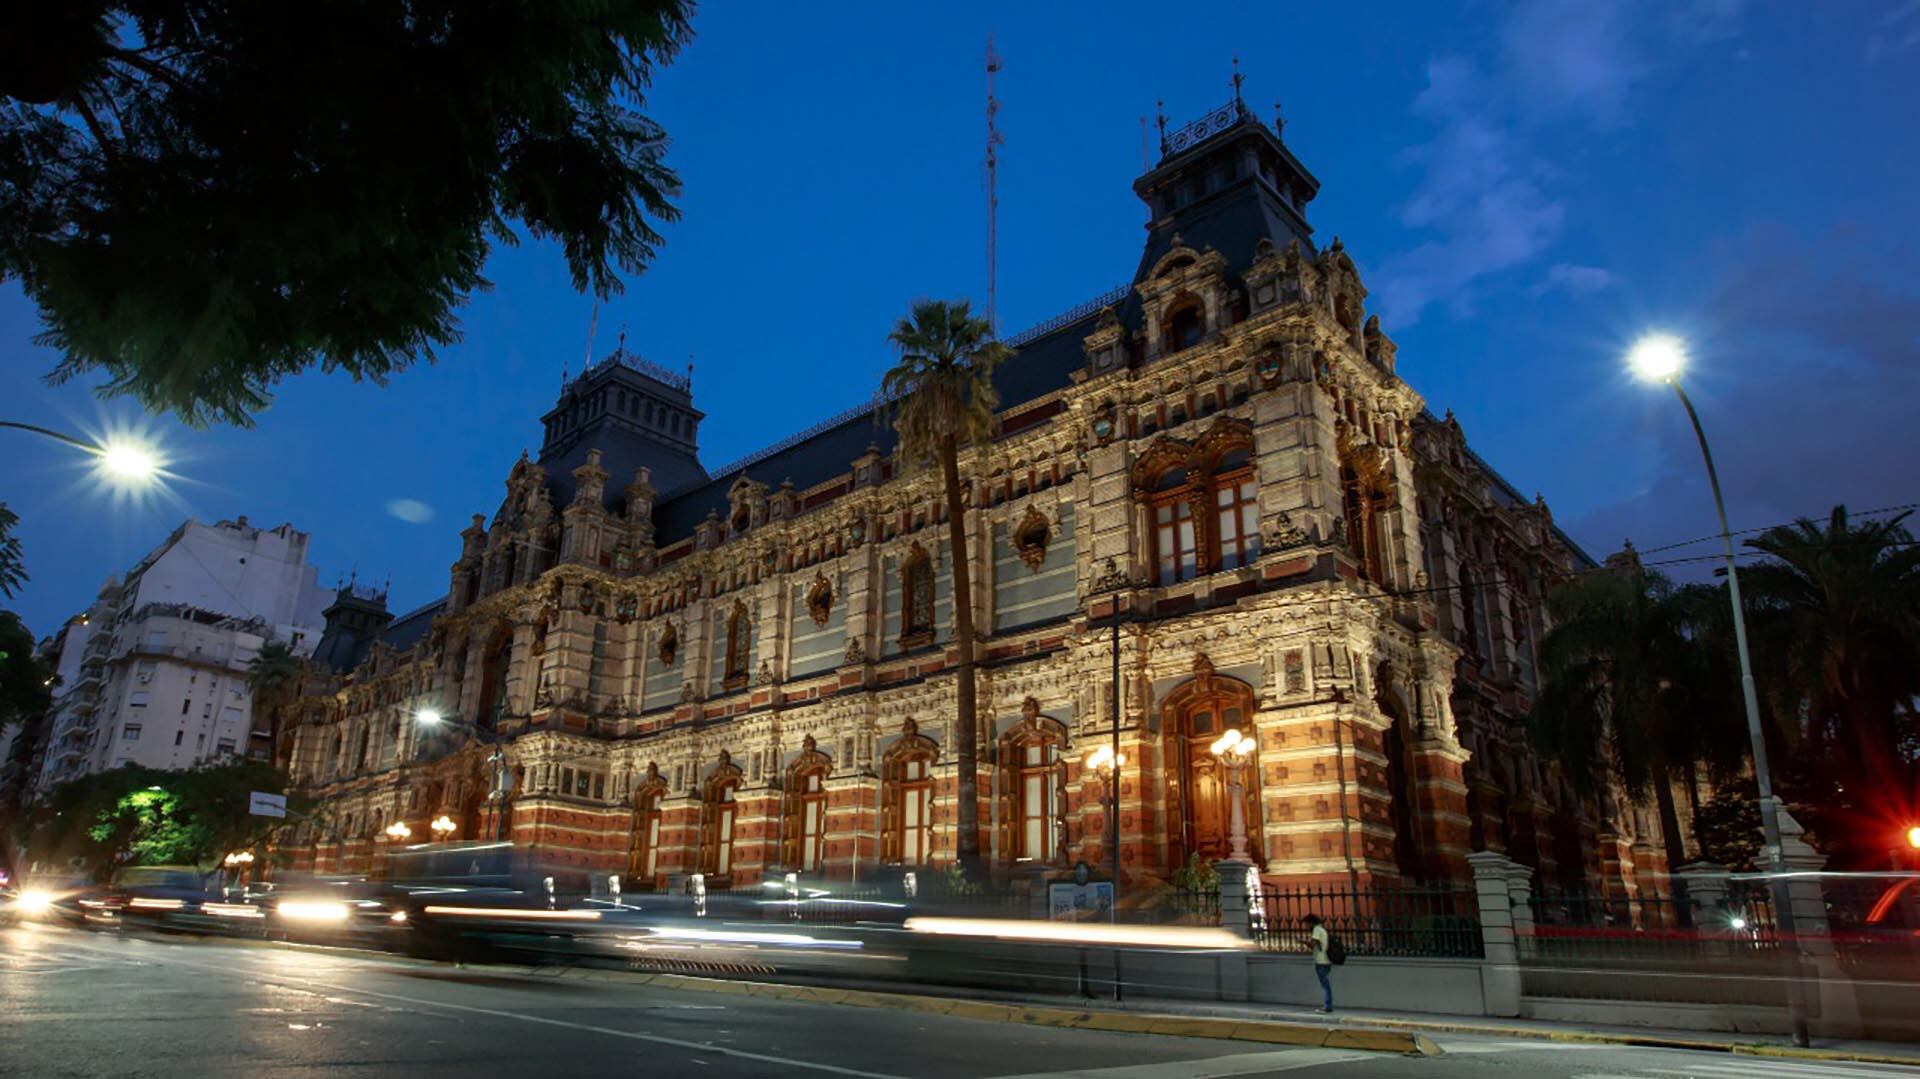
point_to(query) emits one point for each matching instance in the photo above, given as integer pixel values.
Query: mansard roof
(407, 630)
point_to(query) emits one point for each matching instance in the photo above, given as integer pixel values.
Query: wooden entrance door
(1195, 715)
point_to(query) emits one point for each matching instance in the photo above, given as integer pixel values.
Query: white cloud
(1485, 199)
(1899, 32)
(1578, 280)
(411, 510)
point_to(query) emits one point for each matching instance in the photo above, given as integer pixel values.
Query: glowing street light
(1661, 358)
(398, 831)
(121, 460)
(1658, 357)
(1234, 750)
(443, 827)
(429, 716)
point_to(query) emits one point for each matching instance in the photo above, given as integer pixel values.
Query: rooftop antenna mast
(593, 324)
(993, 199)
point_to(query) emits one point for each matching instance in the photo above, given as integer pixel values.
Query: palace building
(668, 669)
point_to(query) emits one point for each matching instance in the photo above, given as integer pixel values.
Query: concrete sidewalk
(1361, 1019)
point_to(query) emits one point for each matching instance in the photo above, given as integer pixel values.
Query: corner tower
(636, 413)
(1225, 181)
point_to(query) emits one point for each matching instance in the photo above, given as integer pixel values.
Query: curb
(1270, 1032)
(1652, 1041)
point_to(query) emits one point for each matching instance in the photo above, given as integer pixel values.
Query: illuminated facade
(749, 670)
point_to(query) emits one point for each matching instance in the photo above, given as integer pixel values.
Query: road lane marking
(1784, 1068)
(1262, 1063)
(658, 1039)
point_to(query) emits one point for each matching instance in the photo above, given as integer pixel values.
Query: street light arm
(50, 433)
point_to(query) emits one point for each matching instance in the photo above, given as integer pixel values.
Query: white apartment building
(155, 672)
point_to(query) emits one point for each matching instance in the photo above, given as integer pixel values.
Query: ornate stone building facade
(749, 670)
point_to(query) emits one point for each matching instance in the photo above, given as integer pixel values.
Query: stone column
(1235, 900)
(1234, 897)
(1705, 884)
(1500, 970)
(1834, 1010)
(1520, 901)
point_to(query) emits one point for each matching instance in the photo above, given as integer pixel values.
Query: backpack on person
(1336, 951)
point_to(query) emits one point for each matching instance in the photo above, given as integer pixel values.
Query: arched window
(643, 843)
(1236, 509)
(1185, 325)
(1397, 747)
(739, 646)
(1031, 778)
(916, 599)
(1175, 543)
(907, 801)
(719, 811)
(493, 680)
(804, 831)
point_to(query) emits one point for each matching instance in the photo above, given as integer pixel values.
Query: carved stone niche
(1030, 538)
(820, 599)
(1106, 345)
(669, 645)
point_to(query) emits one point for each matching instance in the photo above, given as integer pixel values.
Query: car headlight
(314, 910)
(34, 902)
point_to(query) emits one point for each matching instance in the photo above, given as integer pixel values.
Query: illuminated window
(916, 599)
(1174, 540)
(806, 817)
(1236, 510)
(908, 802)
(720, 811)
(739, 645)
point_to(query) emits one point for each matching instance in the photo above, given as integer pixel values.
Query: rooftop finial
(1238, 104)
(1160, 118)
(621, 348)
(1279, 119)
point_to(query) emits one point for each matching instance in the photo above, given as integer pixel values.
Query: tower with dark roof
(636, 413)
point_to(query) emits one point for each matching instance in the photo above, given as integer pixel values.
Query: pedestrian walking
(1322, 959)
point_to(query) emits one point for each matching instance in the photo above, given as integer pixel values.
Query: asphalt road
(85, 1004)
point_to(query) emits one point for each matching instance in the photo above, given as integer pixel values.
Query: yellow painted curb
(1279, 1034)
(1192, 1027)
(1378, 1041)
(974, 1009)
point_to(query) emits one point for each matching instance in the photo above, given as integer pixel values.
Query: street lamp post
(1106, 764)
(443, 828)
(496, 761)
(1661, 358)
(1234, 750)
(1113, 582)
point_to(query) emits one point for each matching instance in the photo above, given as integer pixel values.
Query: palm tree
(272, 678)
(941, 396)
(1837, 621)
(1623, 690)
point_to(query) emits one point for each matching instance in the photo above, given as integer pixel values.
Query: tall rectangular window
(1173, 541)
(1239, 523)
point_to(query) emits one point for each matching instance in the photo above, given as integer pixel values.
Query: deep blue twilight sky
(1525, 187)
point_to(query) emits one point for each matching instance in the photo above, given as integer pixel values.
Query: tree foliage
(25, 681)
(13, 564)
(143, 816)
(1835, 610)
(205, 196)
(1729, 830)
(940, 397)
(272, 679)
(1626, 694)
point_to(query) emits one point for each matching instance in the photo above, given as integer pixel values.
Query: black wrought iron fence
(1585, 926)
(1432, 921)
